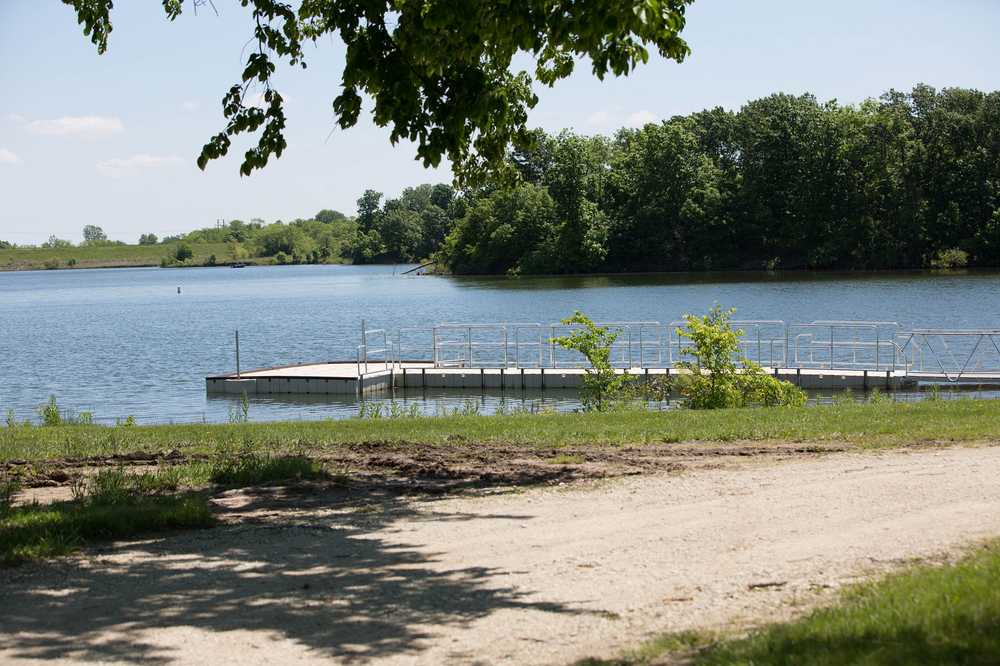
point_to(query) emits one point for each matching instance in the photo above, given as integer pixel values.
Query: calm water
(124, 342)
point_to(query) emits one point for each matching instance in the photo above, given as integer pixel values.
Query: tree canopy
(438, 72)
(911, 180)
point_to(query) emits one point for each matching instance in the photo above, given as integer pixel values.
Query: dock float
(344, 378)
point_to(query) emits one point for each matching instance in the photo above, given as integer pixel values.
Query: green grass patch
(249, 467)
(925, 615)
(866, 426)
(109, 256)
(37, 531)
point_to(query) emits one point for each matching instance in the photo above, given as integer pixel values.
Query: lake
(121, 342)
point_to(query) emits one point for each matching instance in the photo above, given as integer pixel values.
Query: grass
(865, 426)
(111, 256)
(247, 466)
(118, 503)
(925, 615)
(37, 531)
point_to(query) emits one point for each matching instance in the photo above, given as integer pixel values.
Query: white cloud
(641, 118)
(8, 157)
(190, 106)
(77, 126)
(15, 118)
(120, 166)
(610, 120)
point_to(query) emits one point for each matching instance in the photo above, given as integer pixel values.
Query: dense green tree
(576, 179)
(369, 210)
(509, 231)
(663, 196)
(289, 240)
(148, 239)
(327, 216)
(93, 234)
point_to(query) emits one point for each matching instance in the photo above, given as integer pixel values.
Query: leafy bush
(49, 413)
(953, 258)
(601, 384)
(720, 375)
(183, 252)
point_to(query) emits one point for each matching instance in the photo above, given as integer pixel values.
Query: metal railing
(954, 354)
(369, 351)
(831, 345)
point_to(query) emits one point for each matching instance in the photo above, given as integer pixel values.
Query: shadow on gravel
(300, 567)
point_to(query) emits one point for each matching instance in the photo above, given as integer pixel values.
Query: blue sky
(111, 140)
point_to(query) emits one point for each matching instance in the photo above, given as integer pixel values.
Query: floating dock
(821, 355)
(345, 379)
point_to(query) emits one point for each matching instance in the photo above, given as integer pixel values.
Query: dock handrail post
(787, 347)
(364, 344)
(237, 353)
(552, 348)
(505, 346)
(642, 360)
(831, 347)
(628, 361)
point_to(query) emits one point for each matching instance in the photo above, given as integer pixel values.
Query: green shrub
(49, 413)
(601, 384)
(183, 252)
(720, 375)
(953, 258)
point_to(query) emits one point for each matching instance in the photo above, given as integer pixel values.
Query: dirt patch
(337, 573)
(445, 468)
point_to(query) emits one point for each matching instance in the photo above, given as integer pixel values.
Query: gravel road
(536, 576)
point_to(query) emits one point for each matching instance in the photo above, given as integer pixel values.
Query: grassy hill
(111, 256)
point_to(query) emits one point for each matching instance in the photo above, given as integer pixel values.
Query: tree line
(408, 228)
(909, 180)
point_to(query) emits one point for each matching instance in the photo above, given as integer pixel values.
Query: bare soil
(515, 557)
